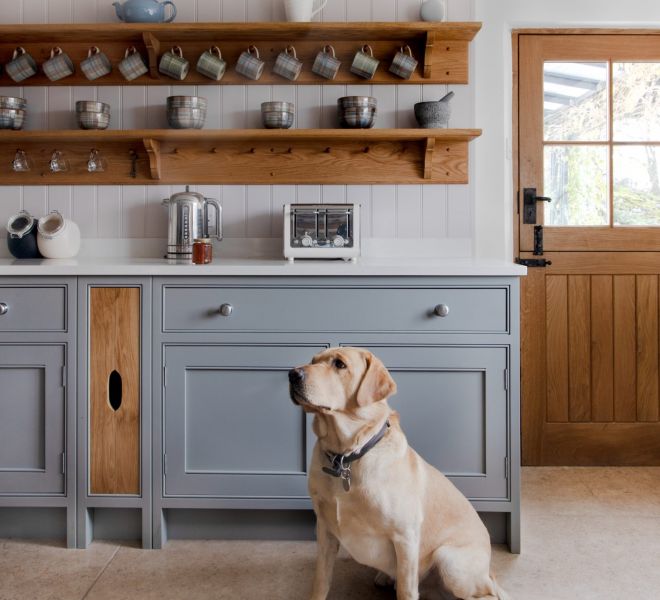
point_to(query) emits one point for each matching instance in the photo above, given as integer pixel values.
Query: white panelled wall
(430, 216)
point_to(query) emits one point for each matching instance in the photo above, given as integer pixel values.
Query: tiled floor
(587, 534)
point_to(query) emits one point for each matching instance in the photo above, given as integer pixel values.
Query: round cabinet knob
(338, 241)
(226, 310)
(4, 309)
(442, 310)
(307, 241)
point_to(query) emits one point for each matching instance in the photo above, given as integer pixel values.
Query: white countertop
(456, 267)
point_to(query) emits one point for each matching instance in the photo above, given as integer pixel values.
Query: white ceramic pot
(58, 237)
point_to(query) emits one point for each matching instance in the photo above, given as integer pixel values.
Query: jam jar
(202, 251)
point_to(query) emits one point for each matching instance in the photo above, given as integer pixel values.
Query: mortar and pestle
(434, 114)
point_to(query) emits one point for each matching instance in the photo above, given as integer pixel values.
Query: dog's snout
(296, 376)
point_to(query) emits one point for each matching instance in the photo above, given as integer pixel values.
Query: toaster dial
(307, 241)
(338, 241)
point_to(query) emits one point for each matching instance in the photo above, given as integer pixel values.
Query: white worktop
(141, 267)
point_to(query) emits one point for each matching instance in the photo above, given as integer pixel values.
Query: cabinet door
(230, 427)
(453, 404)
(32, 408)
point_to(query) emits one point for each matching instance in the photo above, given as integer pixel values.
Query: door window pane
(636, 99)
(637, 185)
(575, 102)
(577, 180)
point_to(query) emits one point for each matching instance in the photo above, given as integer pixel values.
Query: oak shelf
(244, 156)
(441, 48)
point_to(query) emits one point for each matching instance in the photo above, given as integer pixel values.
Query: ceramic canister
(22, 236)
(58, 237)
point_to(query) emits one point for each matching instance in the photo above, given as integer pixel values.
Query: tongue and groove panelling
(413, 212)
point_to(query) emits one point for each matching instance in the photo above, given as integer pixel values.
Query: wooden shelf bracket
(153, 50)
(428, 54)
(428, 157)
(153, 150)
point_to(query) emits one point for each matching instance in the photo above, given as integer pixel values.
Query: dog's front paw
(383, 580)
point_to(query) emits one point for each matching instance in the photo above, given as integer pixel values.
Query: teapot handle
(173, 15)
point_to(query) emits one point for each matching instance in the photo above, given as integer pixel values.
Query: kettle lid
(186, 196)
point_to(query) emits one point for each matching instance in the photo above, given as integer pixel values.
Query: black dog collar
(341, 463)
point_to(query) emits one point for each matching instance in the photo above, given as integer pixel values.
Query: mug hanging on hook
(58, 163)
(21, 162)
(96, 163)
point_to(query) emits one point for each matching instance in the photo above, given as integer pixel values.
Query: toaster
(322, 231)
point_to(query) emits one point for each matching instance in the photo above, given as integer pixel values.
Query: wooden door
(114, 390)
(588, 125)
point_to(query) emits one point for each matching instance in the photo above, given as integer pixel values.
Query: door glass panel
(637, 185)
(636, 99)
(575, 101)
(577, 180)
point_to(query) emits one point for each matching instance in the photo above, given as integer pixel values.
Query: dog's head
(341, 380)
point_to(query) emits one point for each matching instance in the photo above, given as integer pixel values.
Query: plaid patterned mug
(21, 66)
(287, 64)
(326, 64)
(404, 63)
(249, 64)
(132, 66)
(58, 66)
(364, 63)
(211, 64)
(173, 64)
(96, 64)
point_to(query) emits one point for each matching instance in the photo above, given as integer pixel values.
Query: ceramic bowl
(277, 115)
(186, 118)
(93, 120)
(11, 118)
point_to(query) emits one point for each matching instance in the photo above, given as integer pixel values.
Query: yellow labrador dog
(376, 496)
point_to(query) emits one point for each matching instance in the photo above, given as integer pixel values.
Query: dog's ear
(377, 384)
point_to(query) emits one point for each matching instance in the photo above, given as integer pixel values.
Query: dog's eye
(338, 364)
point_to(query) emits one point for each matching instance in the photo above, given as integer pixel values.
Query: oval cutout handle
(114, 390)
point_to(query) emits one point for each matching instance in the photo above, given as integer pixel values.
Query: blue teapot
(144, 11)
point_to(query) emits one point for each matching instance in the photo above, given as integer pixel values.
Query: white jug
(302, 10)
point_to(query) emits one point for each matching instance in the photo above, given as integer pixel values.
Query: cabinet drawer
(33, 308)
(336, 309)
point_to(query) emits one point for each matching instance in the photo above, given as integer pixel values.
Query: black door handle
(529, 205)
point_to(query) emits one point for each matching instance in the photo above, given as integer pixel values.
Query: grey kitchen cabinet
(32, 419)
(37, 407)
(454, 405)
(229, 436)
(231, 430)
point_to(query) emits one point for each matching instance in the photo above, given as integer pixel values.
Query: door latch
(529, 205)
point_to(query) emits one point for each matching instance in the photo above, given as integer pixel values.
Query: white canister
(58, 237)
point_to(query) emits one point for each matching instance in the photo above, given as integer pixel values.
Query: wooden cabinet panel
(114, 390)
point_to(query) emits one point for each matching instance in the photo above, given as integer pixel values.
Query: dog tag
(346, 479)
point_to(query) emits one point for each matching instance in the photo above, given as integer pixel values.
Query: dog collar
(341, 463)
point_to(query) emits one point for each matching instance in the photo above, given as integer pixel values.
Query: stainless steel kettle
(189, 219)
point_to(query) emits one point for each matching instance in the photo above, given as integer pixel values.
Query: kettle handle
(218, 217)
